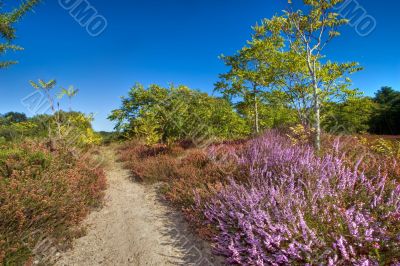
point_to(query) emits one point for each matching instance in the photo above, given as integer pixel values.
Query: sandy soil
(135, 228)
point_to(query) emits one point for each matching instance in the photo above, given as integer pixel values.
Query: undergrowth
(43, 197)
(275, 201)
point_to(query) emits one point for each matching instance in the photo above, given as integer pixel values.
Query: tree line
(167, 114)
(283, 76)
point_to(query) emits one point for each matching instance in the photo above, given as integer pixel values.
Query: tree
(387, 117)
(285, 69)
(309, 32)
(158, 114)
(9, 122)
(63, 126)
(386, 95)
(286, 55)
(349, 117)
(241, 81)
(251, 76)
(7, 30)
(46, 88)
(71, 92)
(12, 117)
(75, 127)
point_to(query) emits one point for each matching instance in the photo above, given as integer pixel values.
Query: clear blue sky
(160, 41)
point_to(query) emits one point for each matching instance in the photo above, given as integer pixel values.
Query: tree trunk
(256, 117)
(317, 110)
(317, 103)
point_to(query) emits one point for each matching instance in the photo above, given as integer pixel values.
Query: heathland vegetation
(287, 165)
(284, 168)
(50, 176)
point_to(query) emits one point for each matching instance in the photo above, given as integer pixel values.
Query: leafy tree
(286, 54)
(309, 31)
(250, 76)
(352, 116)
(283, 72)
(272, 111)
(378, 115)
(9, 125)
(159, 114)
(7, 28)
(303, 72)
(47, 88)
(71, 92)
(75, 128)
(71, 128)
(241, 82)
(12, 117)
(386, 96)
(387, 117)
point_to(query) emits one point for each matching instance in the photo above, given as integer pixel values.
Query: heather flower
(296, 206)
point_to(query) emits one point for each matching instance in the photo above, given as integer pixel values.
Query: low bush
(274, 201)
(184, 171)
(43, 195)
(298, 208)
(183, 168)
(372, 154)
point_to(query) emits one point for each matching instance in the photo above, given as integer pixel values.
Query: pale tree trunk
(256, 115)
(317, 102)
(317, 127)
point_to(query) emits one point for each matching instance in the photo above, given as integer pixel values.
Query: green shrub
(165, 115)
(3, 141)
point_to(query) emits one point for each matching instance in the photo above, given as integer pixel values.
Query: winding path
(135, 228)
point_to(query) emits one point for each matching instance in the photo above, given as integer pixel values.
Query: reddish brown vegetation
(43, 195)
(184, 171)
(189, 174)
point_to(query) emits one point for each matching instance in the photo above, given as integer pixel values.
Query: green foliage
(351, 116)
(12, 117)
(290, 54)
(386, 118)
(70, 128)
(75, 128)
(285, 56)
(110, 137)
(251, 77)
(378, 115)
(386, 96)
(71, 92)
(158, 114)
(272, 112)
(387, 148)
(7, 29)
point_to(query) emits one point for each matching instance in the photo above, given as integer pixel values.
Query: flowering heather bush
(362, 150)
(43, 195)
(300, 209)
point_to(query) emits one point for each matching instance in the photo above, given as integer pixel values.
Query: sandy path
(135, 228)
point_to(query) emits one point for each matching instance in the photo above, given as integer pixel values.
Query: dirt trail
(135, 228)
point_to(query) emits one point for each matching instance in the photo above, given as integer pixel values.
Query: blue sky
(160, 41)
